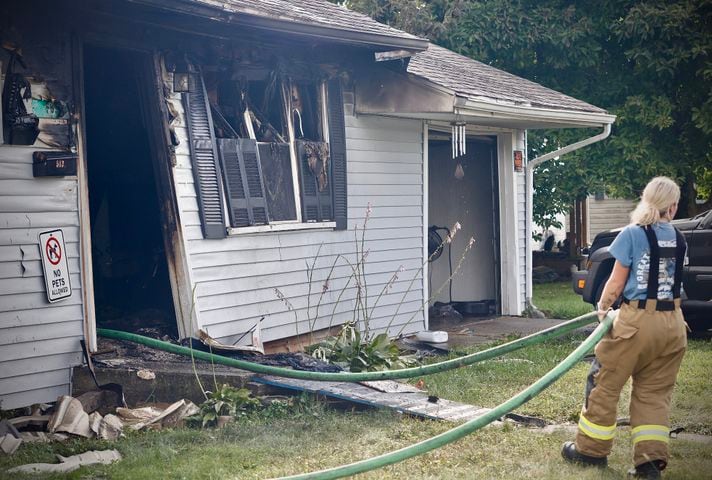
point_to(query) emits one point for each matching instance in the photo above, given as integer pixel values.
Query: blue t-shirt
(631, 249)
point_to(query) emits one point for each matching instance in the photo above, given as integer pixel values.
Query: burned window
(276, 162)
(306, 110)
(312, 150)
(272, 137)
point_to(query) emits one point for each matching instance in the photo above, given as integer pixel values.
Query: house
(185, 165)
(606, 213)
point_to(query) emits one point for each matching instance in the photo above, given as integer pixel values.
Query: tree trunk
(688, 206)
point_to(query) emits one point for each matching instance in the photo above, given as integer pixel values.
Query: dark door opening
(465, 190)
(131, 281)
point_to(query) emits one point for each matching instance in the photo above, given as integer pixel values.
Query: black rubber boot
(647, 470)
(568, 451)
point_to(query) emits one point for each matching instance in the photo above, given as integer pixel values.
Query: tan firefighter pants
(647, 345)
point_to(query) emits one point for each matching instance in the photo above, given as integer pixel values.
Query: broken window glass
(278, 179)
(305, 99)
(263, 99)
(273, 113)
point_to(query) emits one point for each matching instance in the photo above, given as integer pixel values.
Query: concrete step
(173, 381)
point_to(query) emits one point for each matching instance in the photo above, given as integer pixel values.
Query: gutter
(531, 165)
(507, 110)
(570, 148)
(222, 13)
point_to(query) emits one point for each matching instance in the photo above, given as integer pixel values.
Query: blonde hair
(659, 195)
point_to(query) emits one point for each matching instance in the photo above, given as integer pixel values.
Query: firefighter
(646, 342)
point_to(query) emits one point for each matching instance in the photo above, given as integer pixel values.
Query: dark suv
(696, 277)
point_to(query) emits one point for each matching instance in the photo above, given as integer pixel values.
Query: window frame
(298, 223)
(212, 184)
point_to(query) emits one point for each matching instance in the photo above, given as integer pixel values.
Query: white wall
(559, 233)
(235, 278)
(39, 341)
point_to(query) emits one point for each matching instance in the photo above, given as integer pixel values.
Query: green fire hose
(472, 425)
(431, 443)
(412, 372)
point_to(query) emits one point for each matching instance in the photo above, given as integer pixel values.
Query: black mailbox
(54, 164)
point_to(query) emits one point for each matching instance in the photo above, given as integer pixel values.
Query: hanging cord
(435, 239)
(298, 115)
(449, 260)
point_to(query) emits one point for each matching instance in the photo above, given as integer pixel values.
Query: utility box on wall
(54, 164)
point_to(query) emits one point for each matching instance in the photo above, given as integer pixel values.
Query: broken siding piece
(399, 397)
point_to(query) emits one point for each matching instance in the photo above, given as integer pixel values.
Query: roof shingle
(310, 12)
(463, 75)
(478, 81)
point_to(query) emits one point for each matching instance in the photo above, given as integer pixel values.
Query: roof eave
(332, 34)
(538, 116)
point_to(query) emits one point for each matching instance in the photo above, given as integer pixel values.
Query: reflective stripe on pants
(658, 433)
(593, 430)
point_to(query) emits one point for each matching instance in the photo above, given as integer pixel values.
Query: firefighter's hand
(601, 312)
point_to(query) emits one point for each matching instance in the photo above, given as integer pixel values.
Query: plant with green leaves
(226, 400)
(350, 351)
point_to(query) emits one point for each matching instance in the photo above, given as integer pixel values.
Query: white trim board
(508, 221)
(426, 206)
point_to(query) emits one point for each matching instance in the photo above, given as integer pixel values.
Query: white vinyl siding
(235, 278)
(39, 341)
(607, 214)
(520, 178)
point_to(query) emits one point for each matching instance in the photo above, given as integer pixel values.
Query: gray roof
(478, 81)
(308, 12)
(465, 76)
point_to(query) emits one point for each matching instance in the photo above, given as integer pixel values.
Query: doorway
(465, 190)
(132, 289)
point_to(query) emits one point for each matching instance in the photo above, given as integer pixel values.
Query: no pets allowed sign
(54, 264)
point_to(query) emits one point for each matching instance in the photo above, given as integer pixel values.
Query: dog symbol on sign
(53, 250)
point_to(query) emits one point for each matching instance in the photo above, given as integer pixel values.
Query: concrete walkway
(478, 330)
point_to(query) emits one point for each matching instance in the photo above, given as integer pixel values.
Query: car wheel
(698, 315)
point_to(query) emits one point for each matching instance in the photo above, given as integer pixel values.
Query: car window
(707, 222)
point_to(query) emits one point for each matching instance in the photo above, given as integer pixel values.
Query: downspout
(531, 165)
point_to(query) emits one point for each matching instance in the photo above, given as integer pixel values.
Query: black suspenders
(656, 252)
(681, 247)
(654, 266)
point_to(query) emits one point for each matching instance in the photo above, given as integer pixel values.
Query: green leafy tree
(646, 61)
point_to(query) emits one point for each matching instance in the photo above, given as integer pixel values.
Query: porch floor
(478, 330)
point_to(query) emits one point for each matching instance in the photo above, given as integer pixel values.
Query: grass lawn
(257, 450)
(558, 300)
(314, 437)
(311, 436)
(492, 381)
